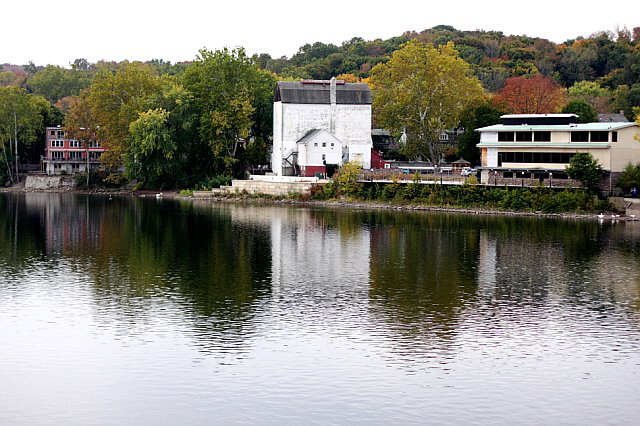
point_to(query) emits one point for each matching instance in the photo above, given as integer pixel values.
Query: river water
(130, 311)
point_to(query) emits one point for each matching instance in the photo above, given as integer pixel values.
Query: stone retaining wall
(42, 182)
(270, 188)
(630, 206)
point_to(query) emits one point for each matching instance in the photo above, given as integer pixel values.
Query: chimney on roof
(332, 98)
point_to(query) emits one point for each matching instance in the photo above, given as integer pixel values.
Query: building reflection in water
(415, 281)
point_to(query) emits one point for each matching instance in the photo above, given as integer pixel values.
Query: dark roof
(538, 119)
(310, 134)
(612, 118)
(298, 92)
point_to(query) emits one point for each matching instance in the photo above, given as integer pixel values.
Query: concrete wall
(35, 182)
(630, 206)
(277, 150)
(271, 188)
(492, 157)
(627, 149)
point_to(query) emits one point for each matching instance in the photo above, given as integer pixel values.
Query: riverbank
(376, 205)
(95, 191)
(334, 203)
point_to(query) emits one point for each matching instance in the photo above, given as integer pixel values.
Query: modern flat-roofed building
(526, 149)
(64, 155)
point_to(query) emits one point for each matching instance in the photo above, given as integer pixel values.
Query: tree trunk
(6, 160)
(87, 166)
(15, 130)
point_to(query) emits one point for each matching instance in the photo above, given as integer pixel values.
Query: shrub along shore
(528, 199)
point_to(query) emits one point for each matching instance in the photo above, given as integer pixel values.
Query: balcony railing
(69, 160)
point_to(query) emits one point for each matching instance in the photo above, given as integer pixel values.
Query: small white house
(317, 149)
(330, 113)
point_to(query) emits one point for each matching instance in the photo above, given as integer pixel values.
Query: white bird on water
(159, 195)
(600, 216)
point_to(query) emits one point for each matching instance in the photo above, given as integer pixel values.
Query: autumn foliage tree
(81, 125)
(422, 91)
(531, 95)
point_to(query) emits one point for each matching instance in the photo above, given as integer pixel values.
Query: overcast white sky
(57, 32)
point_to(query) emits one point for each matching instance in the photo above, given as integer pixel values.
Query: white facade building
(320, 124)
(536, 148)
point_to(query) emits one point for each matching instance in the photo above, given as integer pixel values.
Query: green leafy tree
(592, 93)
(150, 158)
(346, 180)
(54, 82)
(575, 63)
(585, 112)
(586, 169)
(485, 114)
(630, 177)
(231, 97)
(21, 120)
(116, 99)
(423, 90)
(81, 64)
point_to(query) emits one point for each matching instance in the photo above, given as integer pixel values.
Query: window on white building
(599, 136)
(542, 136)
(505, 136)
(524, 136)
(579, 136)
(324, 144)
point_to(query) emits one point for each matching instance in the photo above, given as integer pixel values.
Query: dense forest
(167, 111)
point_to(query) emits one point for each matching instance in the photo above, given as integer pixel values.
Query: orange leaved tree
(531, 95)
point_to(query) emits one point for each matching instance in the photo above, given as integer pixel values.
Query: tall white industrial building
(320, 124)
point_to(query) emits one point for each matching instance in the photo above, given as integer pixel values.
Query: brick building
(64, 155)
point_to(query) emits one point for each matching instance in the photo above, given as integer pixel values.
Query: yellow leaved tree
(422, 91)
